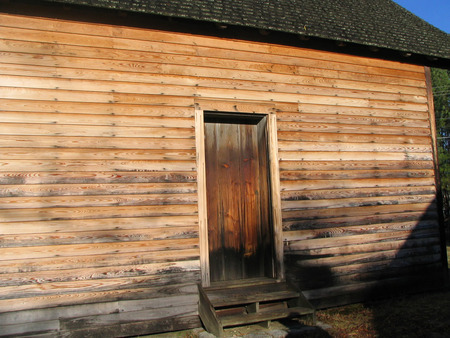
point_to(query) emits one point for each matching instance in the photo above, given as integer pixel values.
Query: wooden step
(250, 294)
(244, 302)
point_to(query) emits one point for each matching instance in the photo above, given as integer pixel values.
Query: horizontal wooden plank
(350, 147)
(168, 323)
(139, 322)
(355, 202)
(383, 268)
(409, 268)
(95, 131)
(42, 302)
(200, 76)
(96, 165)
(91, 97)
(158, 46)
(374, 193)
(145, 61)
(303, 136)
(351, 184)
(184, 93)
(39, 329)
(48, 214)
(95, 275)
(350, 128)
(177, 85)
(126, 45)
(88, 40)
(116, 109)
(358, 111)
(357, 220)
(339, 231)
(63, 142)
(210, 77)
(353, 174)
(107, 224)
(318, 243)
(44, 190)
(368, 257)
(95, 200)
(354, 165)
(350, 119)
(102, 260)
(81, 310)
(353, 155)
(235, 105)
(98, 236)
(96, 153)
(381, 246)
(424, 266)
(71, 250)
(356, 212)
(189, 39)
(98, 120)
(129, 178)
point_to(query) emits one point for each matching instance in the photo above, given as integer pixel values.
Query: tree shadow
(393, 268)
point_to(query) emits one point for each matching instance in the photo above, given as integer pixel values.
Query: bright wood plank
(97, 154)
(72, 250)
(47, 214)
(355, 202)
(96, 165)
(352, 184)
(102, 260)
(106, 224)
(85, 129)
(201, 76)
(353, 174)
(189, 39)
(118, 190)
(94, 273)
(95, 200)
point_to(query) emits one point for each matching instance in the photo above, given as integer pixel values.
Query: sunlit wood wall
(98, 196)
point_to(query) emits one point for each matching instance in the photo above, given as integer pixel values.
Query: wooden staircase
(249, 301)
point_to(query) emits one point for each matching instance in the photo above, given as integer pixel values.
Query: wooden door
(238, 204)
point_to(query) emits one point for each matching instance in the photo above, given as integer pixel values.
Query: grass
(421, 315)
(424, 315)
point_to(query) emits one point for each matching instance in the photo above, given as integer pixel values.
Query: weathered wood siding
(98, 202)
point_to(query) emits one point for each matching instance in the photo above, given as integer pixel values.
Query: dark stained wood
(240, 238)
(208, 314)
(245, 302)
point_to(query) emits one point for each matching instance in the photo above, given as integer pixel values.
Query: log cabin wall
(99, 215)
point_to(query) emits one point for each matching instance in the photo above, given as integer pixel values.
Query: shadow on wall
(387, 264)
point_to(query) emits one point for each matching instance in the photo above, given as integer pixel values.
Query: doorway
(239, 220)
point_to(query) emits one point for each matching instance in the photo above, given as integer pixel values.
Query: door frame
(275, 195)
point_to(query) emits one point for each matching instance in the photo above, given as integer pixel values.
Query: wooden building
(151, 146)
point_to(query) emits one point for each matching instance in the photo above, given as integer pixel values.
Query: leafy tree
(441, 93)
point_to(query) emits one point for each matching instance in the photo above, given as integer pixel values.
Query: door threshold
(242, 282)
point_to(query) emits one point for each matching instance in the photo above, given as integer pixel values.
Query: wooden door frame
(275, 195)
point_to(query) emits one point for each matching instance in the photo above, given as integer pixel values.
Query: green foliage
(441, 93)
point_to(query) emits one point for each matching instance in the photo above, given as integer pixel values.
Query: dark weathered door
(237, 184)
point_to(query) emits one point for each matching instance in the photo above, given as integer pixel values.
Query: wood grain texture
(101, 191)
